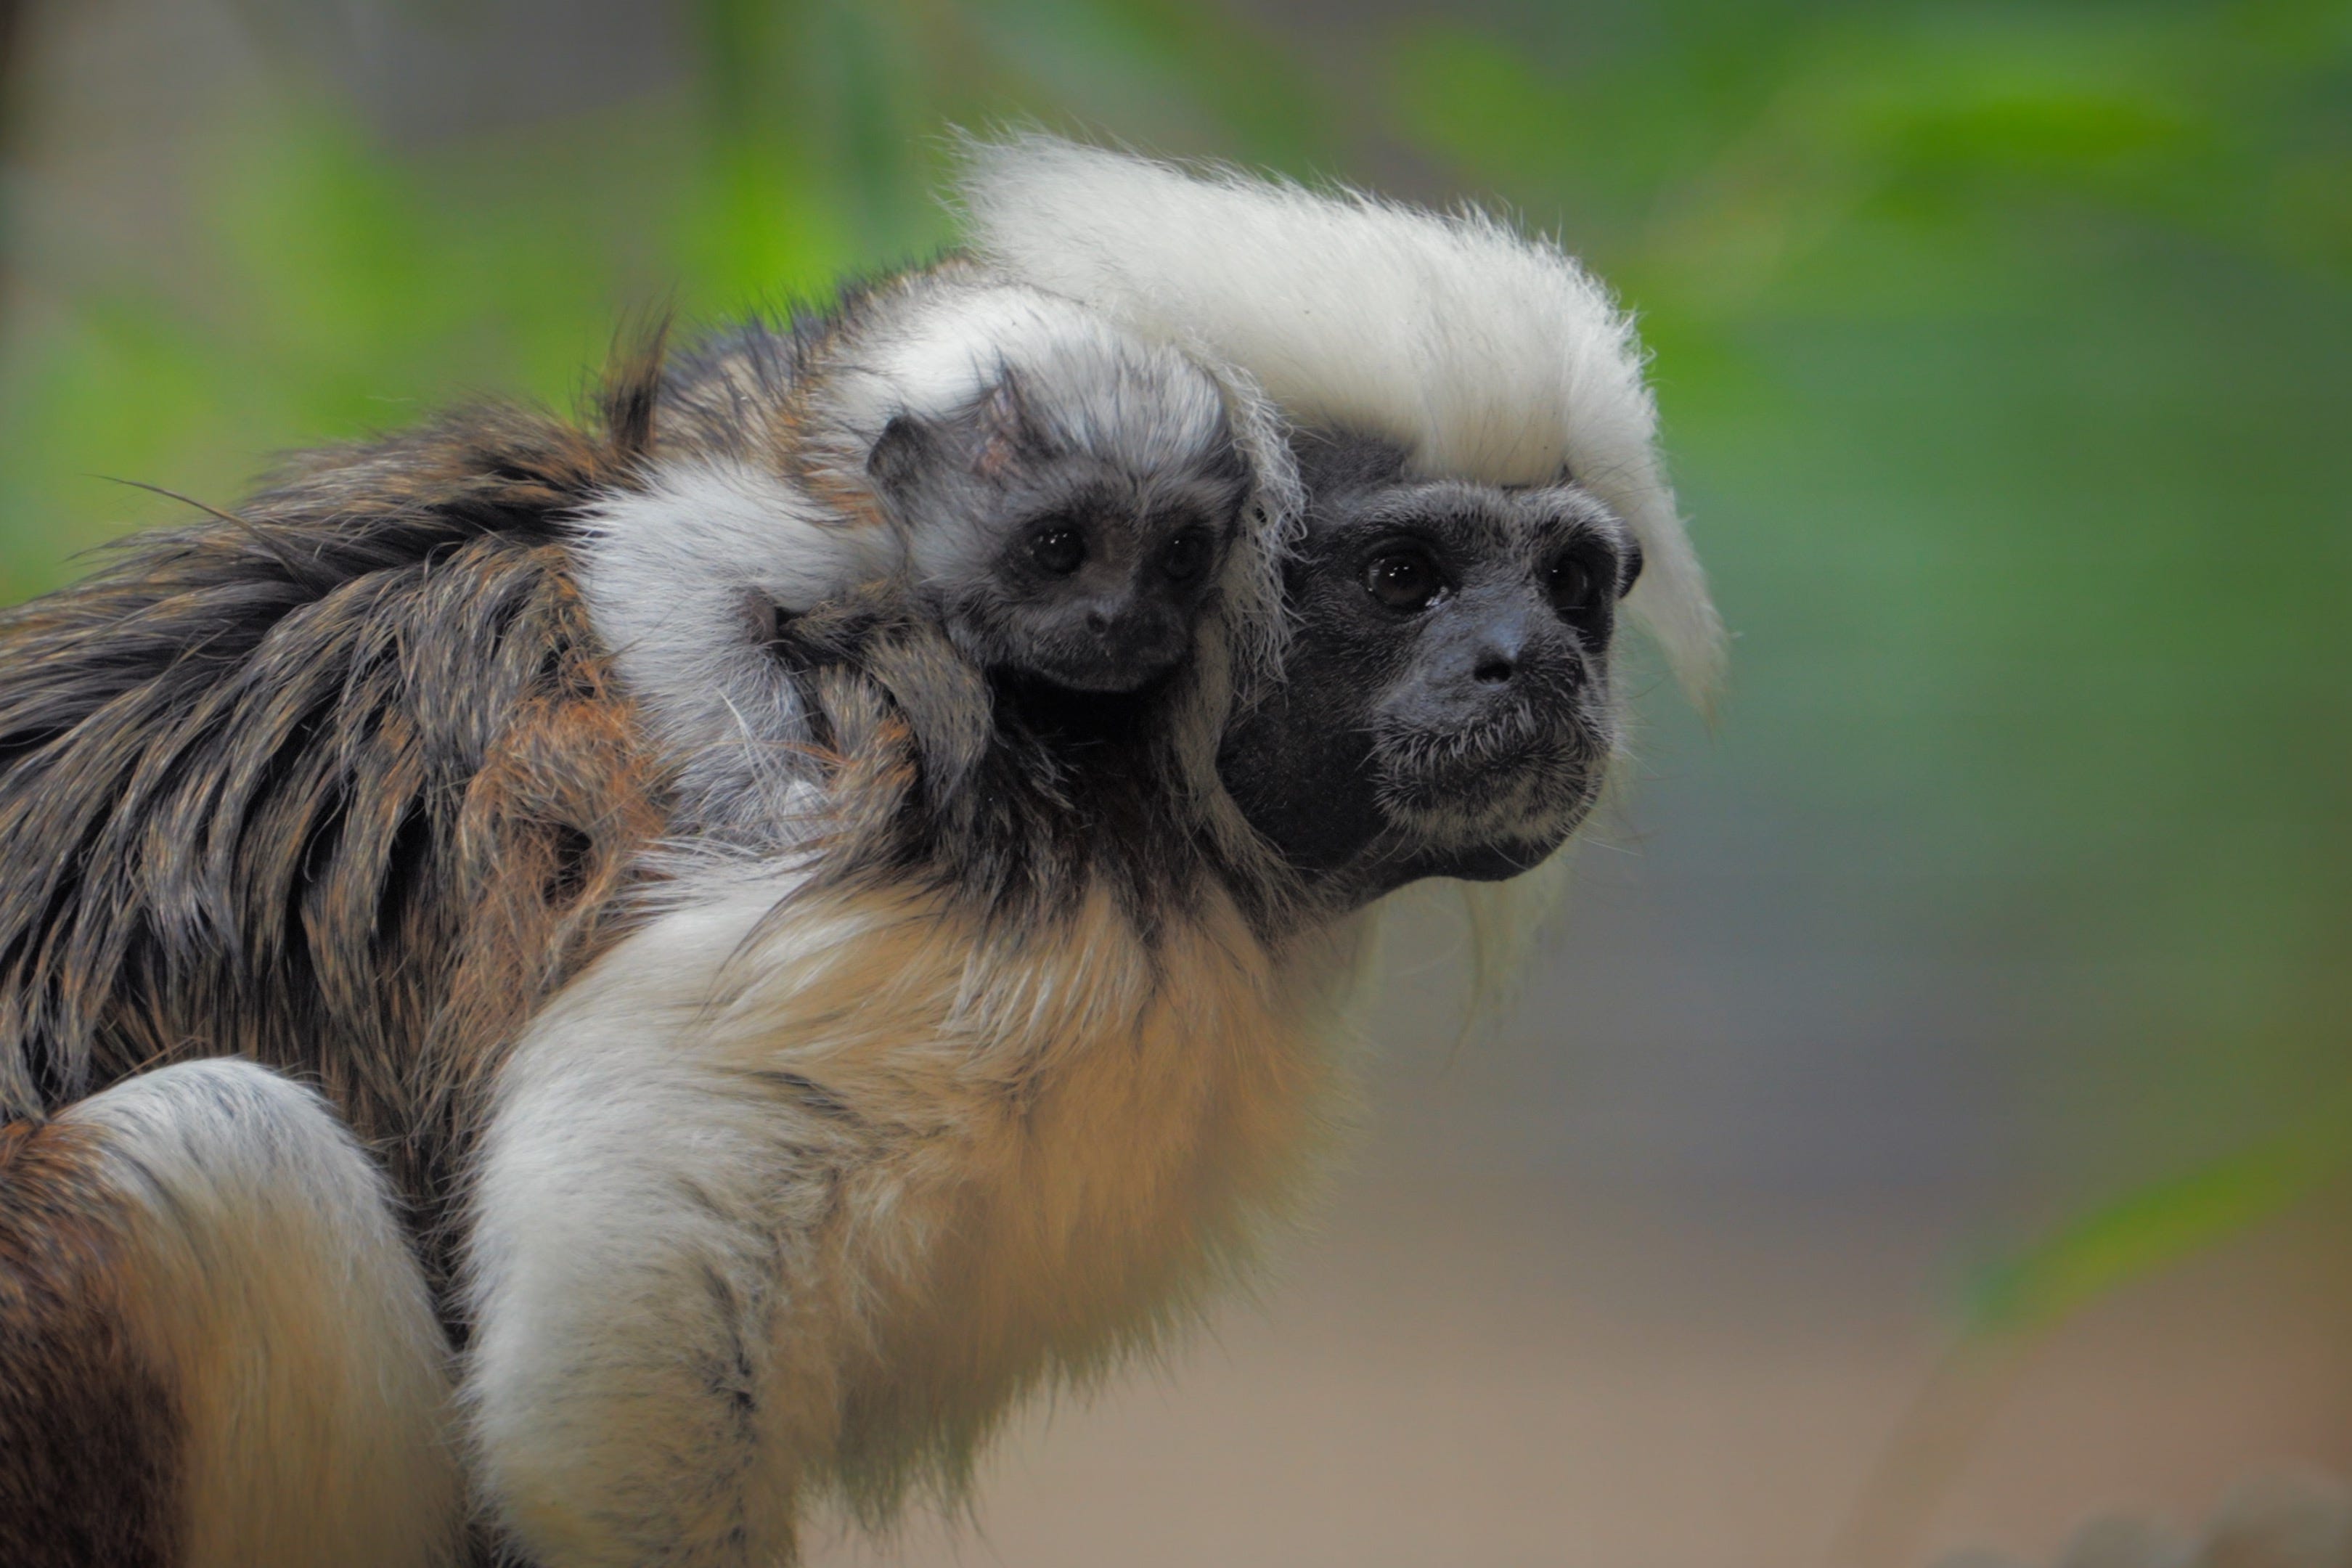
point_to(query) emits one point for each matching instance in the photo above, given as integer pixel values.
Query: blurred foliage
(326, 279)
(2005, 351)
(2150, 1229)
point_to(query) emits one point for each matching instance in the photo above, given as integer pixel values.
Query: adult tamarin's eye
(1186, 556)
(1404, 580)
(1568, 583)
(1058, 548)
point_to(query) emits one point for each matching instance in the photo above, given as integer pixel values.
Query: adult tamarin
(922, 1156)
(842, 1145)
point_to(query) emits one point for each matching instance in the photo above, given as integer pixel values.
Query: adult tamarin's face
(1445, 709)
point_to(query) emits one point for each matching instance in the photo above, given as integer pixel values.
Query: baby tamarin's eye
(1187, 555)
(1058, 548)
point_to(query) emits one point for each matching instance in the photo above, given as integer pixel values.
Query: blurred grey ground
(2013, 876)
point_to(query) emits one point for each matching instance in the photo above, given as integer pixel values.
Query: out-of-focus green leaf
(2150, 1230)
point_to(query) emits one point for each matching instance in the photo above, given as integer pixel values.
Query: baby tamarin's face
(1061, 550)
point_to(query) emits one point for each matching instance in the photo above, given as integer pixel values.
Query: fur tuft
(1488, 354)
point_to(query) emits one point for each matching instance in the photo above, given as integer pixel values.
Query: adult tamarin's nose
(1500, 649)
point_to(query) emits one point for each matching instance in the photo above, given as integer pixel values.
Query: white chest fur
(782, 1196)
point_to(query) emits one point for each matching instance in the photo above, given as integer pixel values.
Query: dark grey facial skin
(1066, 566)
(1445, 708)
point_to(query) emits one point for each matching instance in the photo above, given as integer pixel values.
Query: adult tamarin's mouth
(1515, 775)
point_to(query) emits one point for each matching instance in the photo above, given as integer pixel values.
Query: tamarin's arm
(646, 1378)
(215, 1348)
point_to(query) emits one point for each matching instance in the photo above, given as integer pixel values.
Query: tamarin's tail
(215, 1348)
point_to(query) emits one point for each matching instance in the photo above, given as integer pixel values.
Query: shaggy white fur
(1488, 354)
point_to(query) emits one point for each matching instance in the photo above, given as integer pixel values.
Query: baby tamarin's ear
(908, 445)
(986, 440)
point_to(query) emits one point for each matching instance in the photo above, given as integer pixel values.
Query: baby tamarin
(1062, 499)
(1063, 502)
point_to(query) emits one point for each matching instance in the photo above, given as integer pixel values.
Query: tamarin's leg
(216, 1347)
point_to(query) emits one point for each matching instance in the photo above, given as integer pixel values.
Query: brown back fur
(340, 784)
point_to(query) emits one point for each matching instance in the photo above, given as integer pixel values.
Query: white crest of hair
(1486, 353)
(267, 1270)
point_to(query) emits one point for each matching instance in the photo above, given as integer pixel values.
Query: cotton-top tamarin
(801, 1088)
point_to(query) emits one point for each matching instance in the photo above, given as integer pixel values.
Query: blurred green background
(2005, 352)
